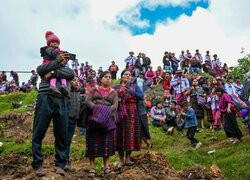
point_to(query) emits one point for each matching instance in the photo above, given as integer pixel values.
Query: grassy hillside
(233, 160)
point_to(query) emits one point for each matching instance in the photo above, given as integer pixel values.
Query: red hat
(50, 36)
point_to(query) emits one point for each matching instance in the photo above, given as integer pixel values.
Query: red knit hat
(50, 36)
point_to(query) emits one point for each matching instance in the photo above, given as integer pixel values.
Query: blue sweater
(190, 118)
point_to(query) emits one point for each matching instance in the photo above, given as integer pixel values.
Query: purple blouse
(224, 100)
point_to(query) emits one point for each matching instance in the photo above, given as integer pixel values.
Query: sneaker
(69, 168)
(40, 172)
(59, 170)
(198, 145)
(183, 132)
(213, 130)
(168, 131)
(55, 91)
(64, 90)
(171, 130)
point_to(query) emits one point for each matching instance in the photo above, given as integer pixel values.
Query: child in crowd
(153, 99)
(190, 123)
(158, 115)
(75, 104)
(166, 62)
(213, 100)
(166, 102)
(50, 53)
(145, 135)
(168, 91)
(172, 114)
(229, 87)
(140, 82)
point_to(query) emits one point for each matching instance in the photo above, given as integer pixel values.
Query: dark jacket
(76, 102)
(138, 64)
(146, 62)
(166, 61)
(49, 53)
(195, 64)
(60, 73)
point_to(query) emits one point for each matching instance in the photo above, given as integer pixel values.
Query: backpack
(238, 102)
(180, 122)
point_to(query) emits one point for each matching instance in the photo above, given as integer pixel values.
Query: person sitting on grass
(190, 123)
(172, 114)
(158, 115)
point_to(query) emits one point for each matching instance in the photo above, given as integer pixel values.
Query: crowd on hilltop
(116, 118)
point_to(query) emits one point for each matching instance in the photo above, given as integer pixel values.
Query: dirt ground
(148, 166)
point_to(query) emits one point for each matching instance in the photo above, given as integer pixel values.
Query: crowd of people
(116, 118)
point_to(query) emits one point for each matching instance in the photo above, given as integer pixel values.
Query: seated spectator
(237, 86)
(168, 90)
(166, 62)
(197, 77)
(158, 115)
(172, 114)
(2, 86)
(166, 102)
(175, 63)
(198, 56)
(3, 76)
(140, 82)
(150, 76)
(13, 87)
(195, 66)
(153, 99)
(158, 78)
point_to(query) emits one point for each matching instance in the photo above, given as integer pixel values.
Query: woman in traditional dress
(196, 92)
(228, 111)
(128, 132)
(103, 101)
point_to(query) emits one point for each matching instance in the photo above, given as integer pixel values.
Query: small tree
(242, 68)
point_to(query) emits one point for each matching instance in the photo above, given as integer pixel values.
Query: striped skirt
(128, 132)
(99, 143)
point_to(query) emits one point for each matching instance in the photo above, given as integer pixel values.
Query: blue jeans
(71, 131)
(169, 68)
(137, 72)
(193, 69)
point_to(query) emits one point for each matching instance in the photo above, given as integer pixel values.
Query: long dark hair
(125, 70)
(101, 76)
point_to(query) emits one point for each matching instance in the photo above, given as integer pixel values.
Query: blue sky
(160, 14)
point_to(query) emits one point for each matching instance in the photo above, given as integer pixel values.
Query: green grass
(233, 160)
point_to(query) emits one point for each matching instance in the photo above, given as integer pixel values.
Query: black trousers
(231, 126)
(190, 135)
(160, 124)
(113, 74)
(50, 107)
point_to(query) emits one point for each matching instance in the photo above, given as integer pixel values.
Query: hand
(63, 56)
(47, 76)
(228, 110)
(192, 88)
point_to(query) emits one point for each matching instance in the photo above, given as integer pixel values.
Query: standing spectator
(195, 65)
(3, 76)
(225, 71)
(138, 65)
(166, 62)
(245, 97)
(81, 68)
(175, 62)
(213, 100)
(229, 87)
(75, 65)
(34, 78)
(143, 114)
(159, 75)
(150, 76)
(15, 77)
(50, 107)
(146, 63)
(228, 111)
(237, 86)
(100, 141)
(198, 56)
(207, 86)
(181, 57)
(113, 69)
(188, 55)
(130, 61)
(129, 95)
(180, 84)
(99, 72)
(190, 123)
(86, 68)
(208, 57)
(196, 92)
(75, 104)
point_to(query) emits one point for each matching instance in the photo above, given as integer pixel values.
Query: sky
(100, 31)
